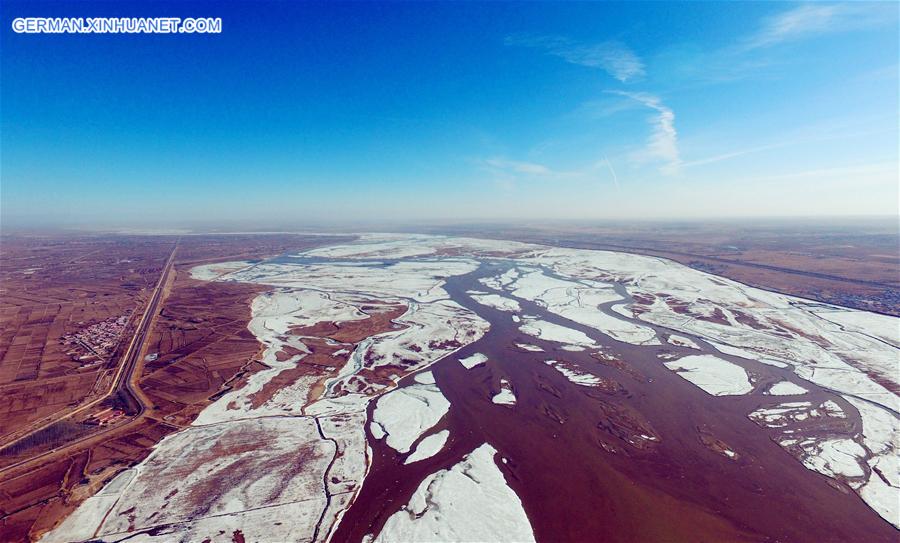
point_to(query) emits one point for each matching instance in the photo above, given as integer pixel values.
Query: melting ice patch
(573, 374)
(406, 413)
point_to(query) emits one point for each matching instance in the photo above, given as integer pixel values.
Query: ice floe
(424, 378)
(782, 414)
(681, 341)
(498, 302)
(406, 413)
(469, 502)
(834, 457)
(785, 388)
(476, 359)
(549, 331)
(428, 447)
(580, 302)
(506, 396)
(574, 374)
(714, 375)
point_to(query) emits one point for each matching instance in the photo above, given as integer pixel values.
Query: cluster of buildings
(97, 342)
(106, 416)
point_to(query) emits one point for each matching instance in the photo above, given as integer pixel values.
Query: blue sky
(305, 112)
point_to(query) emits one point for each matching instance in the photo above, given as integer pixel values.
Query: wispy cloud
(611, 56)
(829, 130)
(525, 168)
(507, 173)
(809, 20)
(732, 154)
(612, 171)
(663, 142)
(884, 172)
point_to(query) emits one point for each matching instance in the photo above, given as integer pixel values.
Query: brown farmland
(198, 341)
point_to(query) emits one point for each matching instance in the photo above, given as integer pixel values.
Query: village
(97, 342)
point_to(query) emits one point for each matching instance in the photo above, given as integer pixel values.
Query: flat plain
(55, 286)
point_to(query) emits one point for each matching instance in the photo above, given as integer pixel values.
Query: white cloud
(505, 168)
(732, 154)
(530, 168)
(612, 56)
(815, 19)
(506, 173)
(663, 142)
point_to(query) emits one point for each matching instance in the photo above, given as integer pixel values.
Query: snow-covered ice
(681, 341)
(714, 375)
(428, 447)
(549, 331)
(785, 388)
(476, 359)
(834, 457)
(497, 302)
(469, 502)
(506, 396)
(406, 413)
(574, 374)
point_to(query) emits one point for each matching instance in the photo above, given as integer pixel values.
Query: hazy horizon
(338, 113)
(880, 224)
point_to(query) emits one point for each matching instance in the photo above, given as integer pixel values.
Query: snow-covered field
(204, 473)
